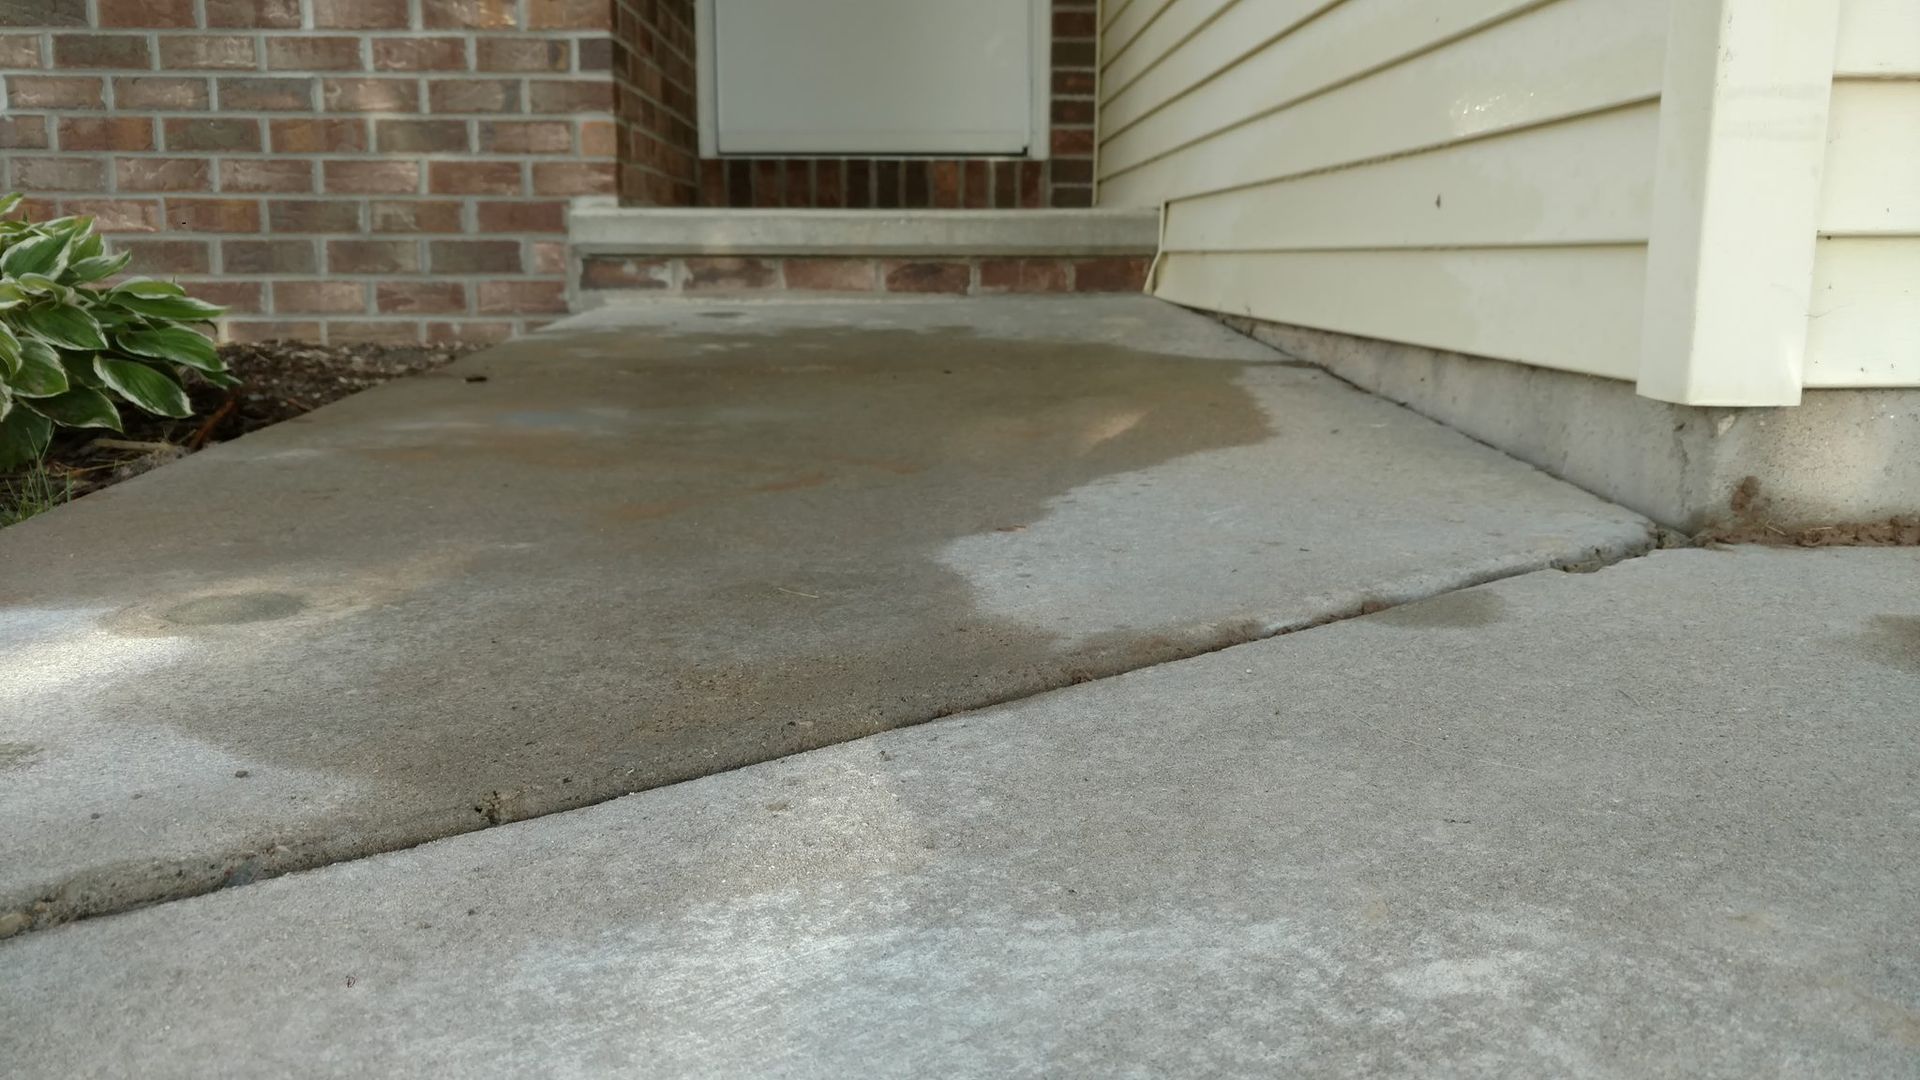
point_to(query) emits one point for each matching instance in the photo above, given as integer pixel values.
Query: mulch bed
(279, 380)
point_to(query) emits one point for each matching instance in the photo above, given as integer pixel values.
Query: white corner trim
(1743, 133)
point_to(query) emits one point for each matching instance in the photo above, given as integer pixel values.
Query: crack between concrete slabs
(97, 894)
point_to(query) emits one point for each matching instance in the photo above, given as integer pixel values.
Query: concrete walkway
(658, 543)
(1659, 820)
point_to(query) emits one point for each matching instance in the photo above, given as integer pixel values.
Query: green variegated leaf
(39, 349)
(79, 367)
(9, 351)
(78, 408)
(148, 287)
(70, 226)
(44, 254)
(88, 247)
(64, 325)
(11, 295)
(42, 285)
(174, 344)
(142, 385)
(23, 437)
(41, 373)
(95, 267)
(8, 202)
(112, 318)
(181, 308)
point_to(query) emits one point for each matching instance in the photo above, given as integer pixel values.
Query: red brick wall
(661, 168)
(391, 170)
(653, 69)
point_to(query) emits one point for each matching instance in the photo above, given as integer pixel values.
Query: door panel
(873, 76)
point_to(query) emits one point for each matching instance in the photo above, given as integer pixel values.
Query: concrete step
(914, 252)
(915, 234)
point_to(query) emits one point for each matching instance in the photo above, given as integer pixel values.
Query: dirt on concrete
(1751, 524)
(1902, 531)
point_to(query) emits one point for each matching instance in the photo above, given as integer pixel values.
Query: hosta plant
(74, 351)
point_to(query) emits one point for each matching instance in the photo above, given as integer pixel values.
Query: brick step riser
(599, 275)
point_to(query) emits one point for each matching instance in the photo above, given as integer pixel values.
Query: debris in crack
(1751, 525)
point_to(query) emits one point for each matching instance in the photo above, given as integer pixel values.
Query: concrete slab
(1662, 820)
(670, 540)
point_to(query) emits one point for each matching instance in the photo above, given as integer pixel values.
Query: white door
(874, 76)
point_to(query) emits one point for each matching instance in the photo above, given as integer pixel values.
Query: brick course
(970, 276)
(344, 169)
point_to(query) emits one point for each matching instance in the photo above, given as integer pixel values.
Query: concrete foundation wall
(1842, 456)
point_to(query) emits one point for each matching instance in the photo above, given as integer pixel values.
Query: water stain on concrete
(247, 607)
(1465, 610)
(1892, 640)
(17, 755)
(796, 483)
(733, 556)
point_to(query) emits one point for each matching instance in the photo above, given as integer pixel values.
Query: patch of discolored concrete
(655, 545)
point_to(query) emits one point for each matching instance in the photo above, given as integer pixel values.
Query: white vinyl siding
(1472, 175)
(1865, 325)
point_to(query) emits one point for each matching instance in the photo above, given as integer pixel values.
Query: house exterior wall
(1498, 178)
(392, 170)
(1470, 175)
(1865, 326)
(401, 170)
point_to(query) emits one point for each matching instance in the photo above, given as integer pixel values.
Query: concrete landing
(1661, 820)
(664, 541)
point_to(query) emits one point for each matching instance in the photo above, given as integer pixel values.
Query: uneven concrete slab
(671, 540)
(1662, 820)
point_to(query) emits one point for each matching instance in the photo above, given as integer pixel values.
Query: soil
(1750, 525)
(1893, 532)
(279, 380)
